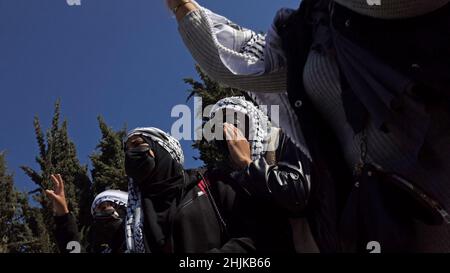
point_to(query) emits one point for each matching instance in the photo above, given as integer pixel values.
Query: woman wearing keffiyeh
(268, 165)
(172, 210)
(108, 210)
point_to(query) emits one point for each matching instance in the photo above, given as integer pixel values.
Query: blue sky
(120, 59)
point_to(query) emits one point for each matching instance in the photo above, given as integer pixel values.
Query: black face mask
(107, 234)
(139, 165)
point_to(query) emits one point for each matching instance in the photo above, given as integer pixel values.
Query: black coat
(66, 230)
(214, 217)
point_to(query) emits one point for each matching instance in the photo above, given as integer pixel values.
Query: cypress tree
(57, 154)
(108, 160)
(15, 233)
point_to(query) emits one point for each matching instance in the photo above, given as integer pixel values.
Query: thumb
(50, 194)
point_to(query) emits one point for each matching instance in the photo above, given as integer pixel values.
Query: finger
(225, 130)
(228, 133)
(228, 136)
(61, 182)
(55, 181)
(50, 194)
(239, 135)
(233, 131)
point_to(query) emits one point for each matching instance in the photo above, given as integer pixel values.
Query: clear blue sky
(122, 59)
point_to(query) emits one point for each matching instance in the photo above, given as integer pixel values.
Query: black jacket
(66, 230)
(278, 184)
(283, 182)
(214, 217)
(198, 224)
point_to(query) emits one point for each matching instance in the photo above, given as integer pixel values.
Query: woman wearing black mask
(107, 231)
(171, 210)
(270, 168)
(109, 212)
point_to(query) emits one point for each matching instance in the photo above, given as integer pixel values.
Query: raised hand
(238, 146)
(58, 196)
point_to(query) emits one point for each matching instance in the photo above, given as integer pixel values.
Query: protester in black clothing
(107, 233)
(171, 210)
(267, 166)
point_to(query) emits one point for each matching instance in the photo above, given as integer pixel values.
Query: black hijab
(161, 189)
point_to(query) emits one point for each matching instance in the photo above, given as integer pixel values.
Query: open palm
(58, 196)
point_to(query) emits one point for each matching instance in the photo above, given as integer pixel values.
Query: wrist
(61, 212)
(180, 8)
(171, 3)
(176, 5)
(245, 163)
(248, 162)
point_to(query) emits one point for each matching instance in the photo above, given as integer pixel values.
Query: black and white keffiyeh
(117, 197)
(260, 126)
(134, 227)
(168, 142)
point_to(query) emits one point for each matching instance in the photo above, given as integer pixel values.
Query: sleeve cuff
(59, 220)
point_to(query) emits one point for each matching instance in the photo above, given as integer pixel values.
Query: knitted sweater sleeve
(232, 55)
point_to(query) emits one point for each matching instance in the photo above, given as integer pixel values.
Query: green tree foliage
(57, 154)
(109, 160)
(41, 242)
(15, 233)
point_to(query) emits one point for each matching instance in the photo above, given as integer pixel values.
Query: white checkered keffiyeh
(260, 126)
(135, 218)
(117, 197)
